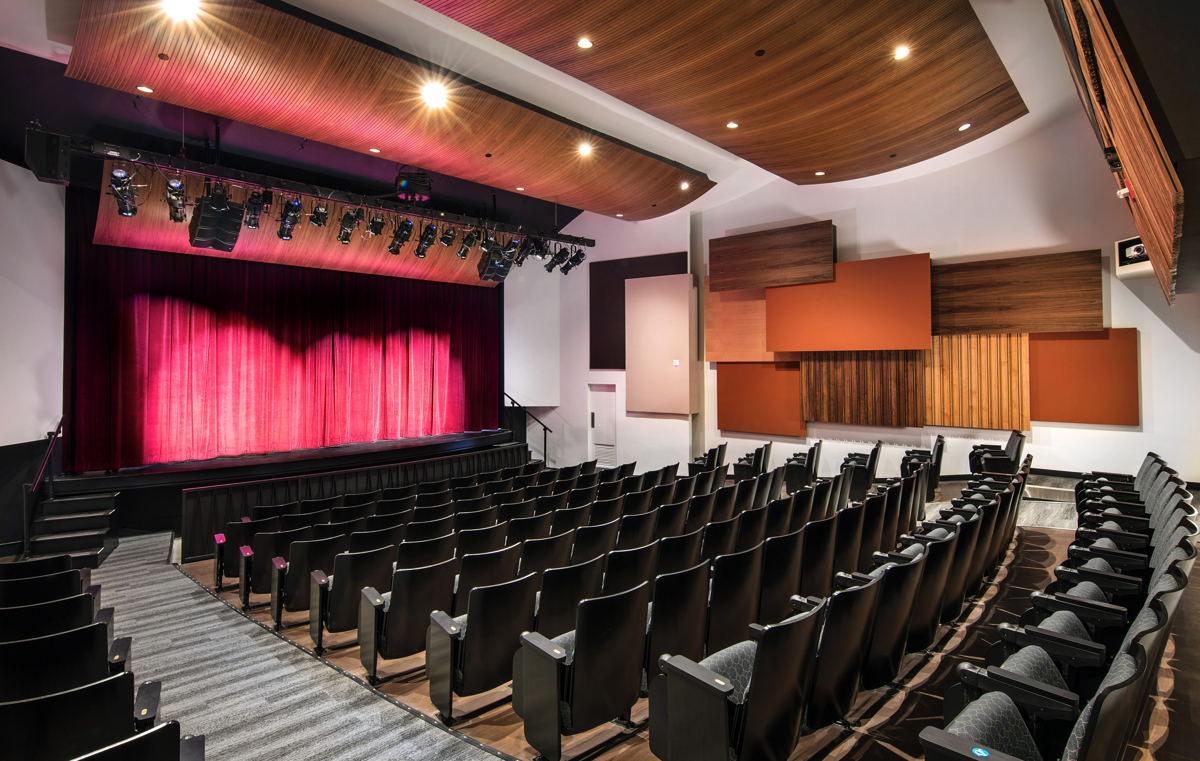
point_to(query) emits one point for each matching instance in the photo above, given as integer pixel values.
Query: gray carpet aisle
(252, 695)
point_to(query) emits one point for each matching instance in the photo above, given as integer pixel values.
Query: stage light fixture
(435, 94)
(121, 184)
(427, 237)
(256, 204)
(319, 216)
(350, 220)
(177, 199)
(469, 241)
(289, 218)
(400, 236)
(509, 252)
(448, 236)
(576, 259)
(181, 10)
(529, 247)
(375, 227)
(560, 256)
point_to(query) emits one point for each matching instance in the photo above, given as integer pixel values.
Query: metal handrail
(546, 430)
(32, 489)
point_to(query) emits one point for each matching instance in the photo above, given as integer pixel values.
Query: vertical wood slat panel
(978, 381)
(884, 388)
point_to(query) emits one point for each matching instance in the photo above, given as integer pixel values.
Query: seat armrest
(1037, 698)
(318, 605)
(370, 627)
(278, 572)
(881, 558)
(1100, 614)
(245, 568)
(694, 674)
(442, 620)
(118, 655)
(1120, 559)
(1072, 650)
(843, 580)
(535, 643)
(191, 748)
(986, 447)
(918, 452)
(145, 705)
(940, 745)
(105, 616)
(1114, 582)
(1130, 523)
(94, 592)
(1095, 505)
(218, 560)
(1123, 477)
(804, 604)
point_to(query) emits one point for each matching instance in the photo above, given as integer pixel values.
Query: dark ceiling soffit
(99, 149)
(332, 26)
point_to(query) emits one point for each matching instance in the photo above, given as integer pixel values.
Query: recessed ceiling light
(964, 127)
(819, 174)
(620, 215)
(373, 150)
(684, 185)
(584, 43)
(901, 52)
(731, 125)
(585, 149)
(520, 188)
(143, 88)
(434, 94)
(180, 10)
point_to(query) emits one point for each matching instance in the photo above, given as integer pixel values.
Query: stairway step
(62, 522)
(89, 558)
(67, 541)
(1049, 493)
(79, 503)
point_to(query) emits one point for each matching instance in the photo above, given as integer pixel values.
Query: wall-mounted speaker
(1130, 259)
(48, 155)
(216, 224)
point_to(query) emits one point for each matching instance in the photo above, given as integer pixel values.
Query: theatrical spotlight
(256, 204)
(122, 189)
(427, 237)
(560, 256)
(319, 216)
(469, 241)
(350, 220)
(577, 257)
(509, 252)
(400, 237)
(448, 236)
(177, 199)
(375, 227)
(530, 247)
(289, 218)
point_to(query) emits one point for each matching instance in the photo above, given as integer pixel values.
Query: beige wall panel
(660, 344)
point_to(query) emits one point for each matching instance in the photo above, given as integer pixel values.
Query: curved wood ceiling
(825, 95)
(260, 65)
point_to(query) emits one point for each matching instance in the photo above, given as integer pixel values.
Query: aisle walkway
(253, 695)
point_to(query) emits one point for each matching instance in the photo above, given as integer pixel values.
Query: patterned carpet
(253, 695)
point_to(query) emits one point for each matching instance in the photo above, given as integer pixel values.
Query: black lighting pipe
(98, 148)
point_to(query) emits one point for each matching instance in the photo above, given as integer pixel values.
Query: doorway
(602, 424)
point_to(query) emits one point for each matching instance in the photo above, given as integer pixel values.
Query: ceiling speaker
(48, 155)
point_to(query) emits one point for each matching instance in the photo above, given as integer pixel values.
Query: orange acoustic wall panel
(871, 305)
(1086, 377)
(759, 397)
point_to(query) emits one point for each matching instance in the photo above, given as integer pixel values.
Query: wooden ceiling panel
(260, 65)
(825, 94)
(310, 246)
(784, 256)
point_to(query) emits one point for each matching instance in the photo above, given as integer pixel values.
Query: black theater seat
(561, 591)
(733, 597)
(816, 565)
(334, 597)
(624, 569)
(551, 552)
(464, 521)
(636, 501)
(849, 616)
(484, 570)
(637, 529)
(23, 569)
(677, 616)
(53, 616)
(675, 553)
(415, 553)
(34, 589)
(486, 539)
(587, 676)
(569, 518)
(473, 652)
(893, 611)
(258, 512)
(227, 544)
(254, 572)
(290, 578)
(160, 743)
(361, 541)
(744, 701)
(534, 527)
(783, 557)
(394, 624)
(419, 530)
(61, 661)
(350, 499)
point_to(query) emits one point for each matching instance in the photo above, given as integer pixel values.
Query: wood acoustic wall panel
(978, 381)
(812, 84)
(764, 398)
(785, 256)
(871, 305)
(310, 246)
(660, 344)
(260, 64)
(1086, 377)
(1025, 294)
(735, 327)
(884, 388)
(1156, 194)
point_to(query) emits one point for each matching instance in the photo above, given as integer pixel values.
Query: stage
(151, 495)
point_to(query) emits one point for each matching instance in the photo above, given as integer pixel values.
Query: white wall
(31, 304)
(531, 335)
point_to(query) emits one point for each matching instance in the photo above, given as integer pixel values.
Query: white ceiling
(1020, 30)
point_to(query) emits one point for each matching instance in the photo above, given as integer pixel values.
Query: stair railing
(546, 430)
(32, 492)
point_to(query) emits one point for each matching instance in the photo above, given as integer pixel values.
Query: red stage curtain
(178, 357)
